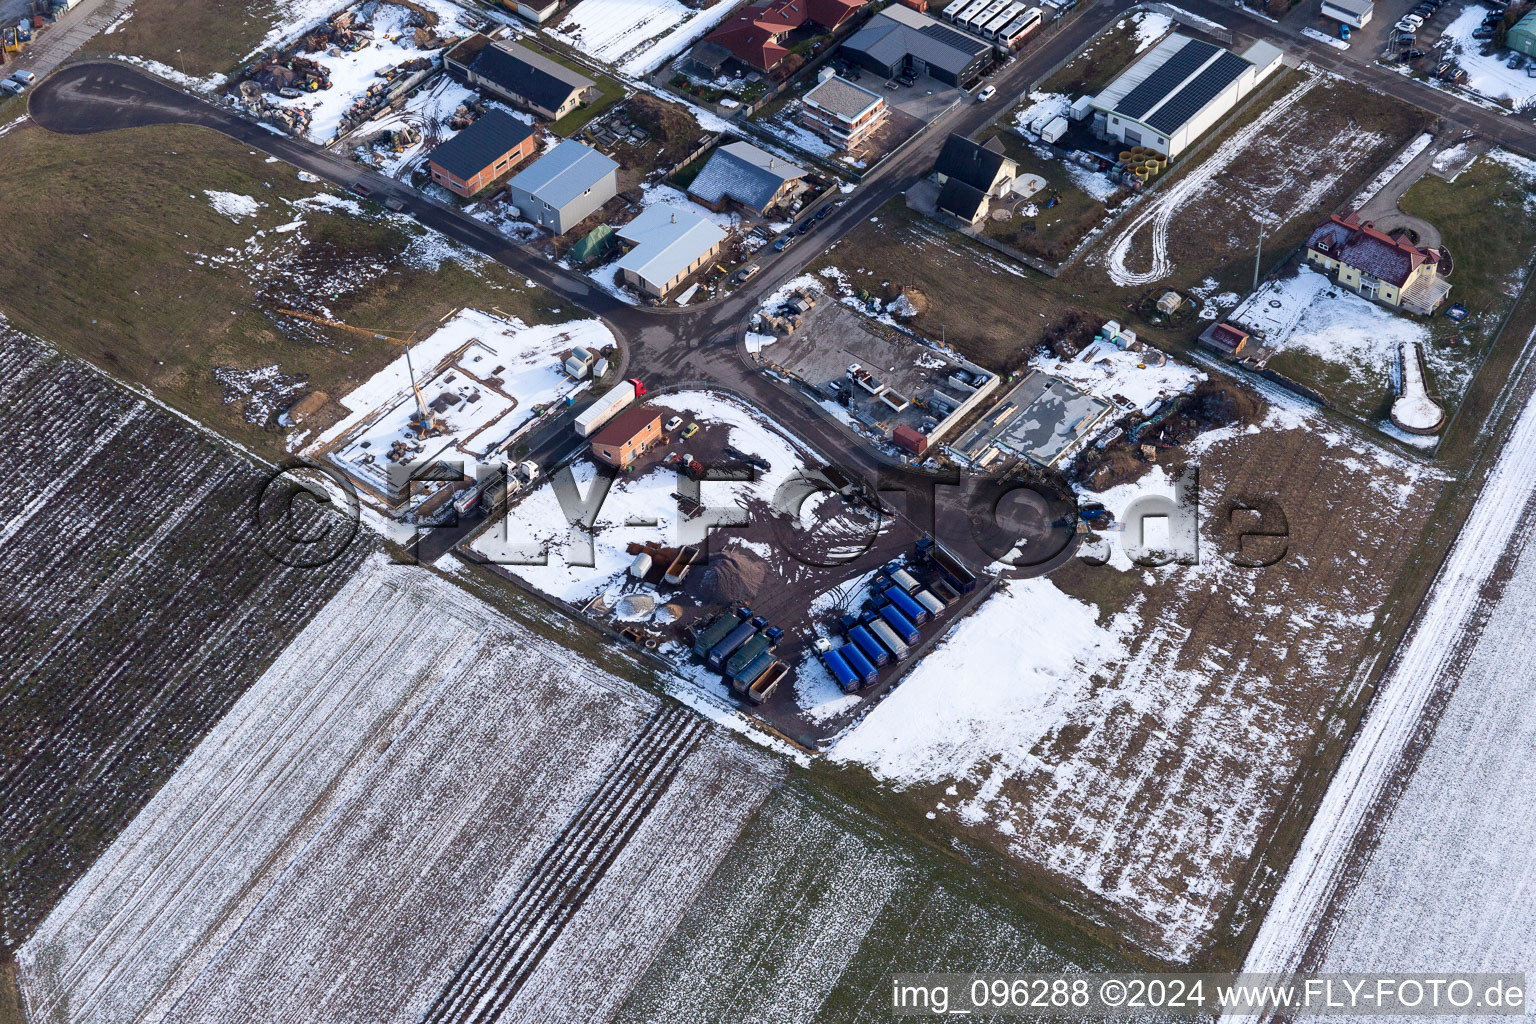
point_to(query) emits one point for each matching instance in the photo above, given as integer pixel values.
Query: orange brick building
(481, 153)
(626, 437)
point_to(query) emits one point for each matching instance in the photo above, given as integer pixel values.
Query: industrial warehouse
(1177, 92)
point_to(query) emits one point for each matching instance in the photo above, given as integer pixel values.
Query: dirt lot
(1175, 720)
(1108, 54)
(111, 254)
(141, 608)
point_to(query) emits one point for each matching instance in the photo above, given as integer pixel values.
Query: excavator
(422, 421)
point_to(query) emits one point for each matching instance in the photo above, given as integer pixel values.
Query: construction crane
(424, 423)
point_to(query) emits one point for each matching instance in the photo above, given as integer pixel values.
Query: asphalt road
(668, 347)
(673, 347)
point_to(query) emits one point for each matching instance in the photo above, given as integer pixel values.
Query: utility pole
(1257, 256)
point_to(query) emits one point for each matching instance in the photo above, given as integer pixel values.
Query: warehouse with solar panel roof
(1180, 90)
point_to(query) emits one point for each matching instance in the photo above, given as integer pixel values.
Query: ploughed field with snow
(811, 915)
(413, 770)
(1443, 883)
(636, 36)
(1128, 735)
(1269, 172)
(141, 606)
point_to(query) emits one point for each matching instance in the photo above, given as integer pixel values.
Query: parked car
(1514, 61)
(986, 94)
(821, 214)
(672, 424)
(805, 225)
(693, 428)
(784, 242)
(1414, 54)
(13, 87)
(25, 77)
(747, 272)
(394, 204)
(893, 85)
(362, 189)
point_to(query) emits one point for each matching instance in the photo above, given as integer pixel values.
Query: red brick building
(626, 437)
(486, 150)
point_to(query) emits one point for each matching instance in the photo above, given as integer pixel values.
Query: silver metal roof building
(669, 244)
(1178, 90)
(746, 174)
(565, 186)
(899, 39)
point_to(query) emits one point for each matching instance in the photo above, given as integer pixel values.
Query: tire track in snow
(1160, 213)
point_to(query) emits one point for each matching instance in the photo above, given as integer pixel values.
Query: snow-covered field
(1309, 313)
(1447, 887)
(340, 841)
(1137, 749)
(501, 370)
(539, 521)
(1486, 75)
(636, 36)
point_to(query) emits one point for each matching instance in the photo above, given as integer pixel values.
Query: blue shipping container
(838, 666)
(910, 608)
(872, 648)
(860, 664)
(899, 622)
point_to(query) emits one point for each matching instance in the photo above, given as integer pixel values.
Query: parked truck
(608, 406)
(954, 570)
(899, 623)
(903, 579)
(737, 664)
(713, 634)
(518, 477)
(862, 666)
(910, 608)
(872, 648)
(761, 688)
(836, 664)
(732, 643)
(929, 601)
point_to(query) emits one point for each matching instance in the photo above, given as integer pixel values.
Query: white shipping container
(604, 409)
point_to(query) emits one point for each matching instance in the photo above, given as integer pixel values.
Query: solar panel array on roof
(1156, 86)
(950, 37)
(1189, 100)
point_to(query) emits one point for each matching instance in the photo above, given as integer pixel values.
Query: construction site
(872, 375)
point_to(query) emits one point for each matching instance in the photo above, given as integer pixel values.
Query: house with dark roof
(1178, 91)
(740, 173)
(900, 41)
(481, 153)
(757, 35)
(1389, 270)
(516, 75)
(971, 175)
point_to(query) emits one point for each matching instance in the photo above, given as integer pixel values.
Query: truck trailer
(736, 667)
(955, 572)
(608, 406)
(930, 602)
(910, 608)
(763, 686)
(872, 648)
(862, 666)
(836, 664)
(713, 634)
(899, 622)
(886, 635)
(903, 579)
(732, 643)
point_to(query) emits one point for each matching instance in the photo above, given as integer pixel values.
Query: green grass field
(114, 253)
